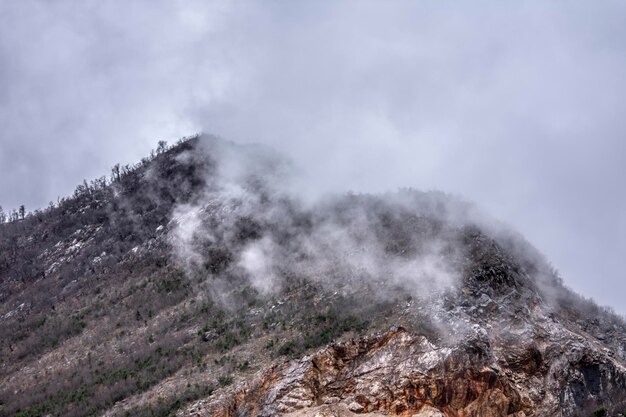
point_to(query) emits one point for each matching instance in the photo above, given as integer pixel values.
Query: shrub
(288, 349)
(225, 380)
(600, 412)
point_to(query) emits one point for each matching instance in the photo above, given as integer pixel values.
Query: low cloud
(248, 228)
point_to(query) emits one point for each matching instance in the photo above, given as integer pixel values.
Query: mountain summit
(203, 282)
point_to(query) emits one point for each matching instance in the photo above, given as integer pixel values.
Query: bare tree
(115, 173)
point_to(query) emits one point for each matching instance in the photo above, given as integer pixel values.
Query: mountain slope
(198, 282)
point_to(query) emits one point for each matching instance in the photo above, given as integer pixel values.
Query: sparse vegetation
(225, 380)
(600, 412)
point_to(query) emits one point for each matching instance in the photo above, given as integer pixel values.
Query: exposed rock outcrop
(398, 373)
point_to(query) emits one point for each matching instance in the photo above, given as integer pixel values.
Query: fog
(251, 228)
(515, 107)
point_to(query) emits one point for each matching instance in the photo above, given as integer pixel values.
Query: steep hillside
(201, 282)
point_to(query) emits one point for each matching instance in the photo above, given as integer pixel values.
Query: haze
(517, 107)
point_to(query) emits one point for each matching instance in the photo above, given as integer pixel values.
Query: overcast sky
(518, 106)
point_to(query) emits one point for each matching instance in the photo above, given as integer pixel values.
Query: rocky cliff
(504, 353)
(399, 373)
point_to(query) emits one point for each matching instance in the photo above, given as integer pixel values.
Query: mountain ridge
(169, 288)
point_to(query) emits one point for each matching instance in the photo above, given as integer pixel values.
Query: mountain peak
(201, 282)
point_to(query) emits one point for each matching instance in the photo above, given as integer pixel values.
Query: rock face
(398, 373)
(501, 351)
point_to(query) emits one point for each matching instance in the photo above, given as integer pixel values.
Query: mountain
(206, 281)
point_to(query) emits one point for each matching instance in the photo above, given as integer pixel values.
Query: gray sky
(518, 106)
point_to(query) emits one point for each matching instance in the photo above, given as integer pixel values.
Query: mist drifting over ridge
(332, 239)
(251, 226)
